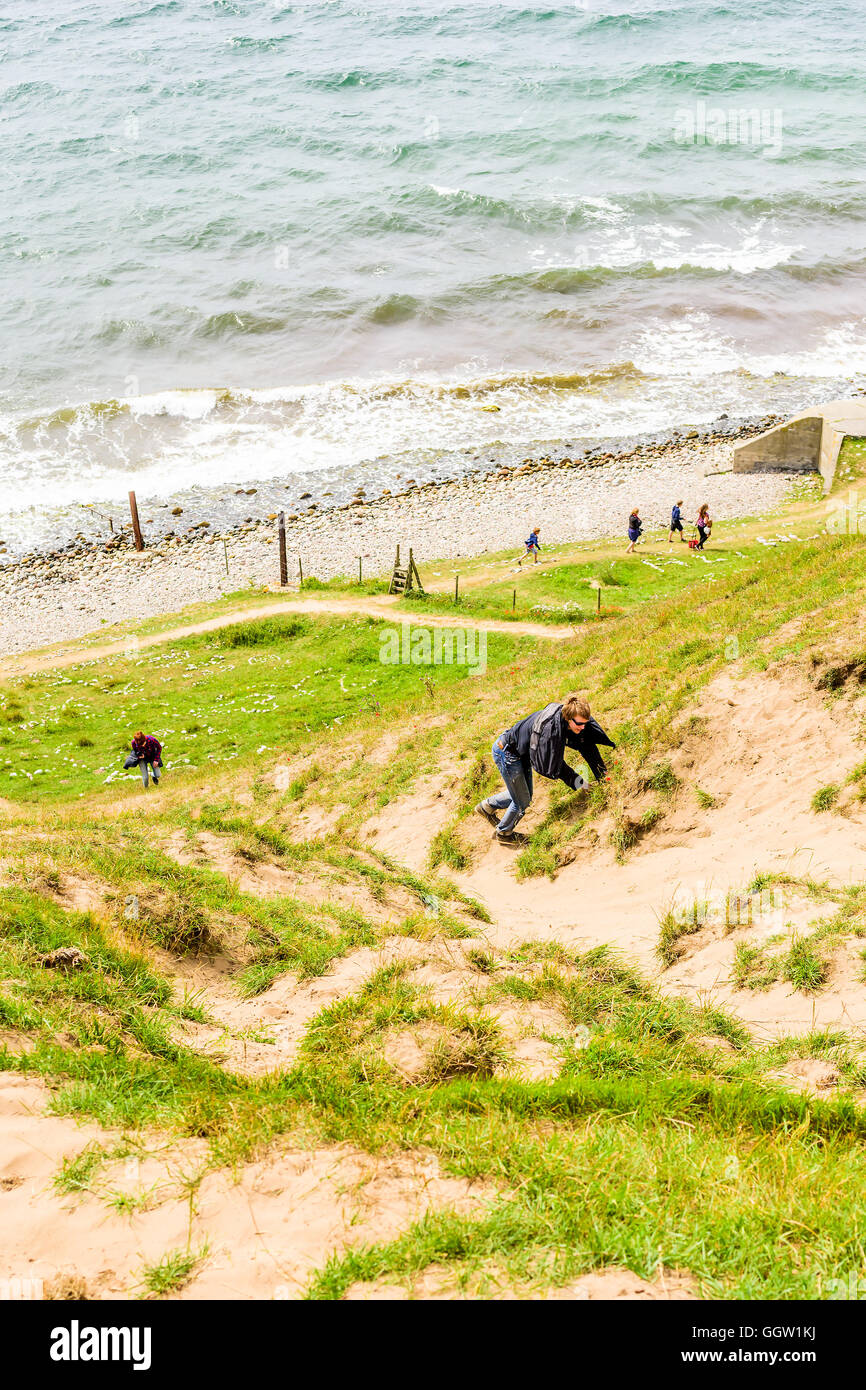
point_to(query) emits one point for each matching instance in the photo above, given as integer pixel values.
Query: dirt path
(32, 663)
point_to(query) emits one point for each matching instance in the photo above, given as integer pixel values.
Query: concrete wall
(796, 444)
(810, 441)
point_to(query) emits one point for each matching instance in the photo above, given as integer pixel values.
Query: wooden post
(284, 564)
(414, 570)
(226, 549)
(360, 569)
(301, 571)
(136, 525)
(409, 568)
(598, 604)
(397, 561)
(111, 524)
(456, 587)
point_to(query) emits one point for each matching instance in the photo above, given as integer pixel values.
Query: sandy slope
(766, 744)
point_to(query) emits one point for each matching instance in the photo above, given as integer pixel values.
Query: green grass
(610, 1163)
(825, 798)
(592, 1169)
(171, 1273)
(561, 591)
(220, 699)
(673, 926)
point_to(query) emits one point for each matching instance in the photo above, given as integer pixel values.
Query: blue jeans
(518, 788)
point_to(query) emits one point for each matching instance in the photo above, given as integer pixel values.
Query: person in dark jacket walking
(704, 526)
(635, 526)
(676, 522)
(537, 744)
(146, 755)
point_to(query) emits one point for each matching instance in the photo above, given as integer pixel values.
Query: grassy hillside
(600, 1113)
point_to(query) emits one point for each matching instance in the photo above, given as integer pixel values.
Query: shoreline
(82, 527)
(66, 594)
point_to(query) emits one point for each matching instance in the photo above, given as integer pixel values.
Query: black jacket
(549, 760)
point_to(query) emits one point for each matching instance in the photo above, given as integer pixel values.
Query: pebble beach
(60, 595)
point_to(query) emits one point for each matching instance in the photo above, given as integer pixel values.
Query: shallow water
(248, 241)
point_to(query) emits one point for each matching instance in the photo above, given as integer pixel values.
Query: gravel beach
(65, 594)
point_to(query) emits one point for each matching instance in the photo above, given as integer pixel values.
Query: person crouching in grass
(537, 744)
(146, 755)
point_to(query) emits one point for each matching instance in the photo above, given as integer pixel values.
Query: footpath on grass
(31, 663)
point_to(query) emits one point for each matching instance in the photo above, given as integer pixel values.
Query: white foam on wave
(692, 347)
(625, 244)
(194, 404)
(211, 439)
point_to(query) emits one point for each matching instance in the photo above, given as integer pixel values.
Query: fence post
(284, 564)
(226, 549)
(301, 571)
(360, 569)
(513, 599)
(456, 587)
(136, 525)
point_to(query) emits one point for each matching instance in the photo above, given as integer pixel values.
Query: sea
(268, 245)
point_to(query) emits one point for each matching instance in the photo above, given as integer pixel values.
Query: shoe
(487, 812)
(506, 839)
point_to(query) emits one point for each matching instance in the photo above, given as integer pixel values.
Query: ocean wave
(233, 321)
(172, 441)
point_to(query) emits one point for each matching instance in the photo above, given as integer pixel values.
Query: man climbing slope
(537, 744)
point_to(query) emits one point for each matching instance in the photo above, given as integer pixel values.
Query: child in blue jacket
(532, 546)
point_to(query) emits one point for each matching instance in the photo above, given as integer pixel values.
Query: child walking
(146, 755)
(532, 546)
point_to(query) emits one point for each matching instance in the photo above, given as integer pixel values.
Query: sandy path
(30, 664)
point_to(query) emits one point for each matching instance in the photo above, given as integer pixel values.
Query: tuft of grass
(673, 926)
(475, 1048)
(446, 849)
(825, 798)
(172, 1272)
(804, 967)
(539, 855)
(752, 968)
(76, 1173)
(704, 799)
(661, 779)
(262, 633)
(482, 961)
